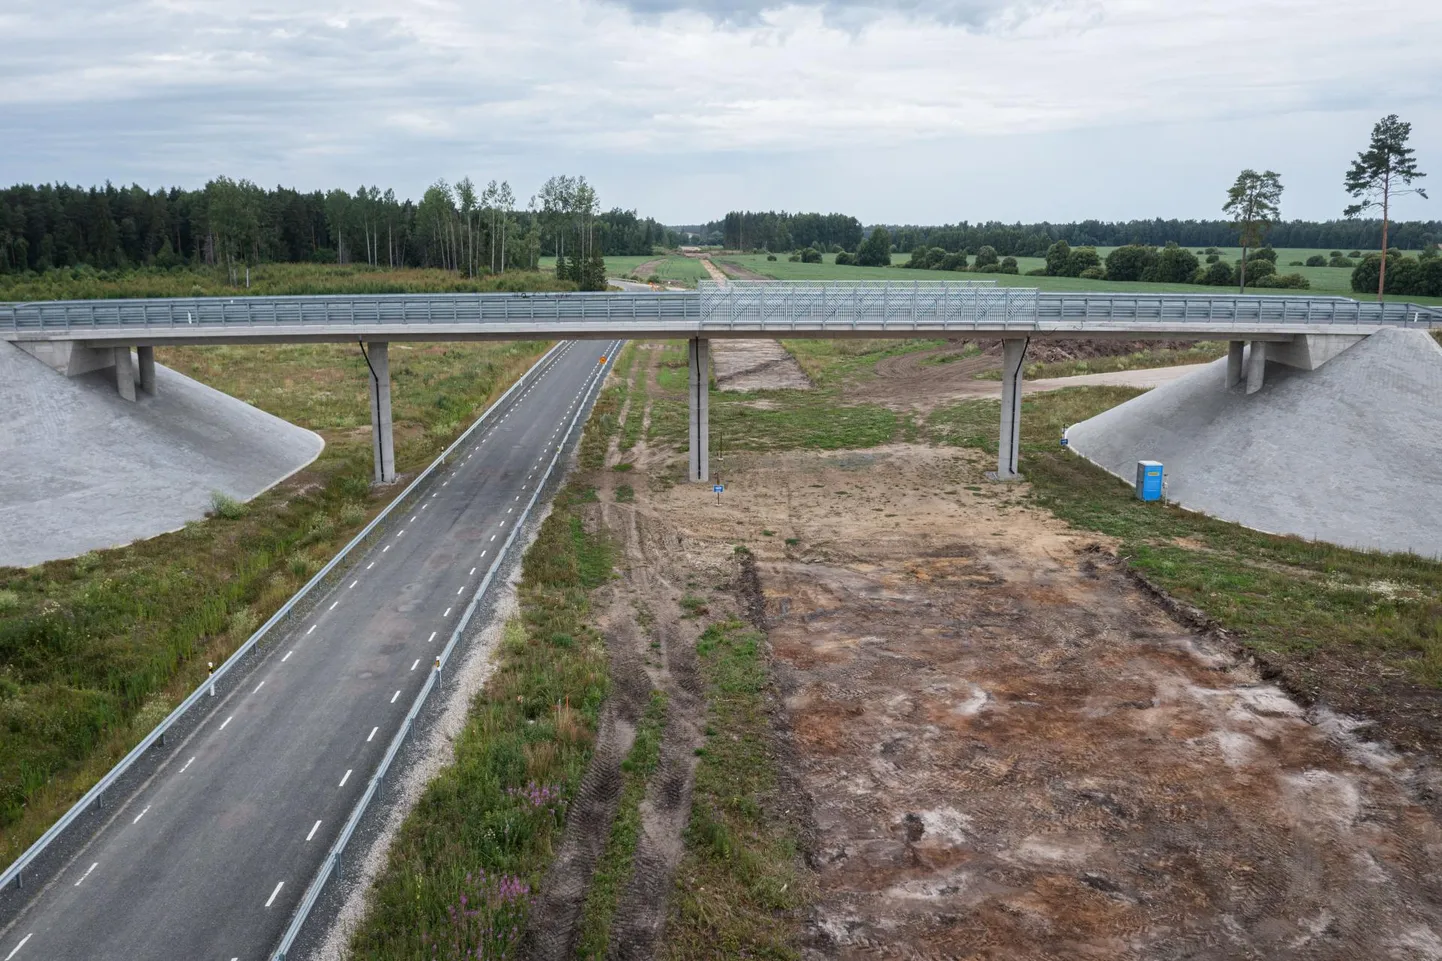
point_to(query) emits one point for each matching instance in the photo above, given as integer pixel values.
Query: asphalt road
(211, 856)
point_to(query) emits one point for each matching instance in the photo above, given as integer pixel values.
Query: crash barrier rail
(871, 307)
(15, 872)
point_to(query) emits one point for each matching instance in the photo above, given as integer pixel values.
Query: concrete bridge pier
(146, 356)
(1013, 360)
(377, 354)
(1256, 366)
(1234, 362)
(698, 362)
(125, 373)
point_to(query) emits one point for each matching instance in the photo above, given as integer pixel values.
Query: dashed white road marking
(447, 613)
(371, 734)
(258, 687)
(226, 721)
(460, 589)
(270, 900)
(87, 873)
(370, 565)
(345, 777)
(416, 664)
(313, 829)
(432, 637)
(311, 631)
(386, 548)
(187, 764)
(140, 815)
(483, 553)
(472, 573)
(334, 605)
(493, 537)
(287, 656)
(352, 585)
(16, 950)
(393, 700)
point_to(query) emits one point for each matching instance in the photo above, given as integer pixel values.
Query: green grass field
(1325, 281)
(675, 269)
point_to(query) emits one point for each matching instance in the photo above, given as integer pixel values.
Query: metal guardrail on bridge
(760, 306)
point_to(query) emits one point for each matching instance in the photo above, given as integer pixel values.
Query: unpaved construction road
(1007, 748)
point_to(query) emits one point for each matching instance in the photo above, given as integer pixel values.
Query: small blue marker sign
(718, 488)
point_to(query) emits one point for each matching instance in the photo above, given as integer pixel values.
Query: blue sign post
(718, 488)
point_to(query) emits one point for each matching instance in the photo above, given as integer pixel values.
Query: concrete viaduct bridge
(80, 336)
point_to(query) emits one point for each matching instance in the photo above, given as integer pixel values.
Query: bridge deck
(832, 309)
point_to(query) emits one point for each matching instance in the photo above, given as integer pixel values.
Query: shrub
(986, 256)
(1093, 273)
(770, 256)
(1298, 263)
(1355, 254)
(1217, 274)
(1286, 281)
(795, 258)
(1257, 269)
(223, 505)
(656, 278)
(1263, 253)
(834, 249)
(1175, 265)
(810, 255)
(844, 259)
(1057, 256)
(1336, 253)
(1214, 250)
(1082, 259)
(1405, 276)
(1038, 272)
(1346, 262)
(987, 269)
(956, 261)
(1316, 260)
(1008, 265)
(1130, 262)
(875, 251)
(1213, 258)
(9, 601)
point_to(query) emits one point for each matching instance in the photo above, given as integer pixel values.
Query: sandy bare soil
(1012, 752)
(1006, 748)
(742, 365)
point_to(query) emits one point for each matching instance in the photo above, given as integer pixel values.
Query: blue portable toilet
(1149, 480)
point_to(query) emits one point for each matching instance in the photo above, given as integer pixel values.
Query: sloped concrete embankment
(1350, 453)
(86, 470)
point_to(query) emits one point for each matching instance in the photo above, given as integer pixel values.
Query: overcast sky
(893, 110)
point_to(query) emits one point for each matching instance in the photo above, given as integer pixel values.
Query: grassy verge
(741, 880)
(1139, 360)
(95, 650)
(458, 877)
(614, 868)
(85, 283)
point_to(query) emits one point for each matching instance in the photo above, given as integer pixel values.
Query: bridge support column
(698, 362)
(382, 445)
(1234, 363)
(1013, 359)
(125, 373)
(146, 356)
(1256, 366)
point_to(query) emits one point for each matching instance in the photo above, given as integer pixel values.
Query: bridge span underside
(1302, 331)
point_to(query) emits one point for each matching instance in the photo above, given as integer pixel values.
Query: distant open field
(1325, 281)
(673, 269)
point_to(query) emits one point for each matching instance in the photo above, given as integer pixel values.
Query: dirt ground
(1008, 749)
(745, 365)
(924, 380)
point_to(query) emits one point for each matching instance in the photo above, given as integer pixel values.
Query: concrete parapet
(1256, 366)
(1235, 354)
(125, 373)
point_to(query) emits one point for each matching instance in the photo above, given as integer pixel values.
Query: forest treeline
(461, 226)
(1033, 240)
(777, 232)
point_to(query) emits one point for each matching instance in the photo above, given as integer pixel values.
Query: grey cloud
(977, 14)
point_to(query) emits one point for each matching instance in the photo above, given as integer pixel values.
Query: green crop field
(671, 269)
(1325, 281)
